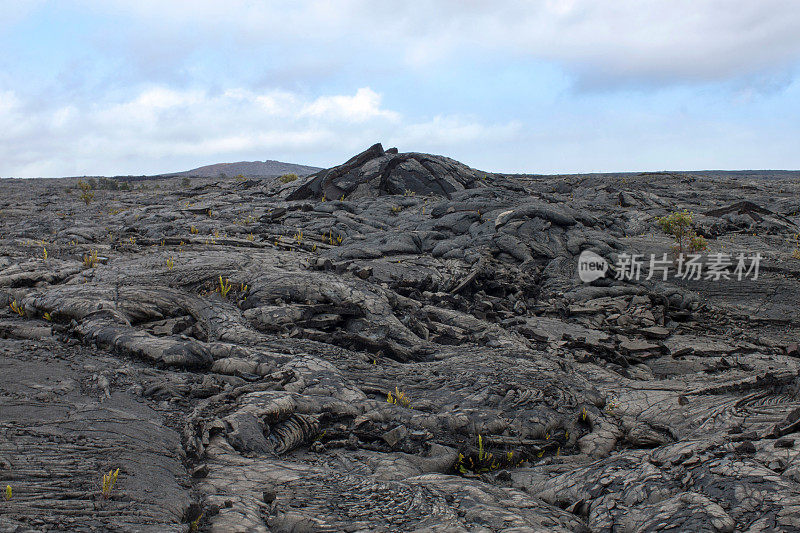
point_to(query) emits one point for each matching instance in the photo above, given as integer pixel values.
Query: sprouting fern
(333, 241)
(91, 260)
(194, 525)
(224, 287)
(485, 461)
(399, 398)
(17, 308)
(109, 481)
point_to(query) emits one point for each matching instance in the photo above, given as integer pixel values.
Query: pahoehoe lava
(398, 343)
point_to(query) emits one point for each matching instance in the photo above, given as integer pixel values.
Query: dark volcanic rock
(415, 353)
(376, 172)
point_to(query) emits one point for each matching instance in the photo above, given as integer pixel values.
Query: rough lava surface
(399, 343)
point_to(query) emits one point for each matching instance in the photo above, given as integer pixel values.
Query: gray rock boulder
(378, 172)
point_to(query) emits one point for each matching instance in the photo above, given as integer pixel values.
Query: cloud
(113, 86)
(15, 10)
(619, 42)
(362, 107)
(443, 131)
(161, 129)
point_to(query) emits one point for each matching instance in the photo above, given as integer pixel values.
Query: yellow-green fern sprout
(109, 480)
(224, 287)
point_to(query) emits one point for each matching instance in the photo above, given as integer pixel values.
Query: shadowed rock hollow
(231, 346)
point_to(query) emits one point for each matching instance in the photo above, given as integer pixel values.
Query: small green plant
(193, 230)
(612, 405)
(86, 192)
(8, 493)
(108, 184)
(396, 209)
(16, 308)
(399, 398)
(796, 252)
(333, 241)
(91, 260)
(170, 263)
(194, 525)
(460, 466)
(44, 253)
(47, 316)
(298, 237)
(109, 481)
(485, 461)
(224, 287)
(680, 225)
(288, 178)
(186, 182)
(697, 243)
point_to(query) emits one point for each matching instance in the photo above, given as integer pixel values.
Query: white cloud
(253, 65)
(659, 41)
(162, 129)
(361, 107)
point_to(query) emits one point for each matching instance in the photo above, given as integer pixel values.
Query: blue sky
(548, 86)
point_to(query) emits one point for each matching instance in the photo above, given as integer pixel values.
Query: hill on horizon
(249, 169)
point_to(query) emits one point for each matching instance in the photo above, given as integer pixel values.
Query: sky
(119, 87)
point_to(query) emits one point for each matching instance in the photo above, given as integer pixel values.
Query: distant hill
(248, 169)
